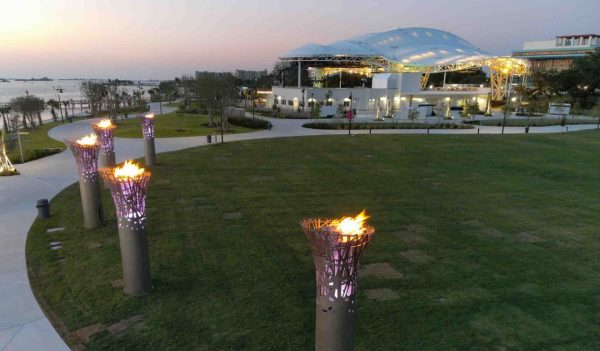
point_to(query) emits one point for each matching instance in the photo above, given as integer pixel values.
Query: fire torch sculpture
(85, 151)
(148, 130)
(128, 185)
(6, 167)
(336, 246)
(104, 130)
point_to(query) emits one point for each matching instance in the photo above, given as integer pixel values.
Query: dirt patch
(483, 229)
(417, 256)
(262, 178)
(84, 334)
(381, 271)
(491, 232)
(93, 245)
(117, 284)
(232, 216)
(529, 238)
(473, 223)
(413, 234)
(382, 294)
(125, 324)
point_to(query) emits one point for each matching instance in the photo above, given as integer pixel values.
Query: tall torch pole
(336, 246)
(128, 185)
(148, 131)
(104, 130)
(350, 116)
(85, 151)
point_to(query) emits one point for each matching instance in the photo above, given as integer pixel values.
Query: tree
(53, 104)
(580, 81)
(215, 92)
(5, 111)
(94, 92)
(30, 107)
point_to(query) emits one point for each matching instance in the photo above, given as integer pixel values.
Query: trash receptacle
(526, 130)
(43, 208)
(209, 139)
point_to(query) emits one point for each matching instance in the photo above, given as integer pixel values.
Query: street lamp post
(336, 246)
(147, 123)
(85, 151)
(508, 82)
(128, 185)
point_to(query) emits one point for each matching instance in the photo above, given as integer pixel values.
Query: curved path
(23, 325)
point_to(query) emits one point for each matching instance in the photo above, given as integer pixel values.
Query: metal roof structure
(400, 50)
(414, 49)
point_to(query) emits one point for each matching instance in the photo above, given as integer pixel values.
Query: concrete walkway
(23, 325)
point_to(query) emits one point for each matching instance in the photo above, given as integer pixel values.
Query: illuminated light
(129, 170)
(150, 115)
(105, 124)
(447, 99)
(474, 99)
(350, 226)
(403, 98)
(513, 99)
(481, 85)
(88, 140)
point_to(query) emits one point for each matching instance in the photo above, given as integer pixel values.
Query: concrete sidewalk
(23, 325)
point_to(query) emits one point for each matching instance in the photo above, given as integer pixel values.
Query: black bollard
(43, 208)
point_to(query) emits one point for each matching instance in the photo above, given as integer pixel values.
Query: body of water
(47, 90)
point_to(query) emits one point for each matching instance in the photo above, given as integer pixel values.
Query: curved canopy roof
(408, 47)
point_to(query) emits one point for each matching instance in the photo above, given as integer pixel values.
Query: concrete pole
(134, 257)
(150, 151)
(93, 214)
(148, 131)
(334, 329)
(86, 155)
(107, 159)
(129, 196)
(336, 263)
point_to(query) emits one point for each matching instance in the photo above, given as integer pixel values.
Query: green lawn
(36, 143)
(172, 125)
(496, 238)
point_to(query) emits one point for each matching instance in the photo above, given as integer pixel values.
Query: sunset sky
(138, 39)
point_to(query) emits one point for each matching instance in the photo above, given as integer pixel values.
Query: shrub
(254, 123)
(338, 126)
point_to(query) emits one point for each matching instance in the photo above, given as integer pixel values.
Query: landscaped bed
(385, 125)
(35, 142)
(172, 125)
(482, 243)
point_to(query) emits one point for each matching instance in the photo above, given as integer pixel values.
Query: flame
(351, 225)
(88, 140)
(104, 124)
(150, 115)
(129, 170)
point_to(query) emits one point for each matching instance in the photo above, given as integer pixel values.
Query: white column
(299, 73)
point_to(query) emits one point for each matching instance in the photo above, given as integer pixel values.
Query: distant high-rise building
(249, 75)
(211, 74)
(557, 54)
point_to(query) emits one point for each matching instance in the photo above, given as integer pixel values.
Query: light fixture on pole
(85, 151)
(336, 246)
(104, 130)
(128, 185)
(147, 123)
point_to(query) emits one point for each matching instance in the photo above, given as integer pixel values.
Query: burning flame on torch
(88, 140)
(129, 170)
(150, 115)
(105, 123)
(351, 225)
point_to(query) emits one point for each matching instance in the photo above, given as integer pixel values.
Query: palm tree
(66, 104)
(4, 111)
(53, 104)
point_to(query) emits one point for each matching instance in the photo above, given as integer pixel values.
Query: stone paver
(23, 325)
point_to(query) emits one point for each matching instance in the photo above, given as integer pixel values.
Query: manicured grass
(172, 104)
(497, 238)
(36, 143)
(172, 125)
